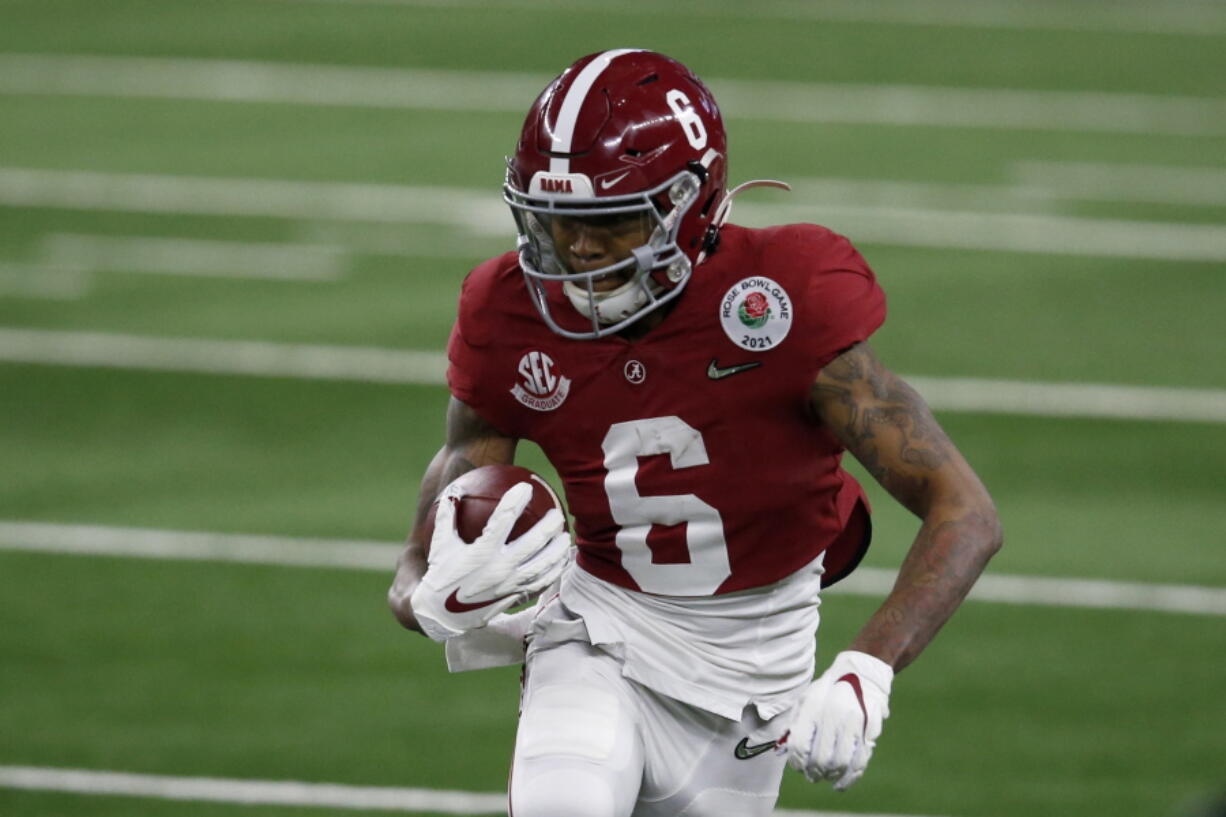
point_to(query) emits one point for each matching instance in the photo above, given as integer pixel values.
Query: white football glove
(500, 643)
(839, 719)
(466, 585)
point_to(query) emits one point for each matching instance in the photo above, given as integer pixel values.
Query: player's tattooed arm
(471, 442)
(887, 426)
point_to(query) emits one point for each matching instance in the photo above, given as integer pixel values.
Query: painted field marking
(280, 792)
(275, 198)
(1095, 594)
(1187, 18)
(250, 792)
(146, 543)
(1107, 401)
(1003, 232)
(1199, 19)
(406, 240)
(1032, 186)
(483, 213)
(413, 367)
(151, 543)
(437, 89)
(43, 281)
(897, 194)
(349, 363)
(1103, 181)
(195, 257)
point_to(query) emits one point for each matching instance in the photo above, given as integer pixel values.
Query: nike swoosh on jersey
(744, 751)
(716, 372)
(605, 184)
(454, 605)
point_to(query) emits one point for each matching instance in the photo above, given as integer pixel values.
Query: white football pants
(593, 743)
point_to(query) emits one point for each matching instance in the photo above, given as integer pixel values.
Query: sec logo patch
(541, 386)
(756, 313)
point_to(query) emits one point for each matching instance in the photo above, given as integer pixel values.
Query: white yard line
(898, 194)
(1199, 19)
(482, 213)
(410, 240)
(94, 540)
(413, 367)
(1103, 181)
(43, 281)
(276, 198)
(250, 792)
(1033, 186)
(428, 89)
(1187, 18)
(350, 363)
(150, 543)
(280, 792)
(195, 257)
(1003, 108)
(1098, 594)
(983, 396)
(1003, 232)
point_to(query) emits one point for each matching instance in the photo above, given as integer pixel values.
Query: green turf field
(137, 200)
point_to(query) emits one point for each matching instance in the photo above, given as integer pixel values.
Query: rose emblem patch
(756, 313)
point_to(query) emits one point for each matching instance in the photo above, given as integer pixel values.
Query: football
(483, 487)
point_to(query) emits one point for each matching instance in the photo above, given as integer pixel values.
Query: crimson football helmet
(620, 134)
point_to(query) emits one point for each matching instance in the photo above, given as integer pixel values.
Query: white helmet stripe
(564, 128)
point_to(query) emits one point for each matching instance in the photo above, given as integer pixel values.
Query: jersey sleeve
(840, 298)
(471, 351)
(851, 301)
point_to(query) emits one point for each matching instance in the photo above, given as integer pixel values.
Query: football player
(695, 384)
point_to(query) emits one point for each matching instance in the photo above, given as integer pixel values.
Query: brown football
(483, 487)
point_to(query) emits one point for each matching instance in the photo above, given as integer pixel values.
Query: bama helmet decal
(540, 386)
(756, 313)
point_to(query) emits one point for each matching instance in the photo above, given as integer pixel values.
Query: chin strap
(711, 240)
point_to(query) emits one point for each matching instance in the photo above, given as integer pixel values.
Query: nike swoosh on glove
(466, 585)
(839, 719)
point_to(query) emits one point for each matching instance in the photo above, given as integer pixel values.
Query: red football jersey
(691, 462)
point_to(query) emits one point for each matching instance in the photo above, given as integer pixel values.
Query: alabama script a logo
(541, 386)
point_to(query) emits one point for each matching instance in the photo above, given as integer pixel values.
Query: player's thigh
(701, 765)
(577, 751)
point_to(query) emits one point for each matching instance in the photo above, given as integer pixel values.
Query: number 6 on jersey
(704, 533)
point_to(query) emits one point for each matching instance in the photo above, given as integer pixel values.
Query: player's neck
(645, 324)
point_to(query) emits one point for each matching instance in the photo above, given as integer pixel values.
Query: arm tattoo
(942, 565)
(883, 422)
(887, 426)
